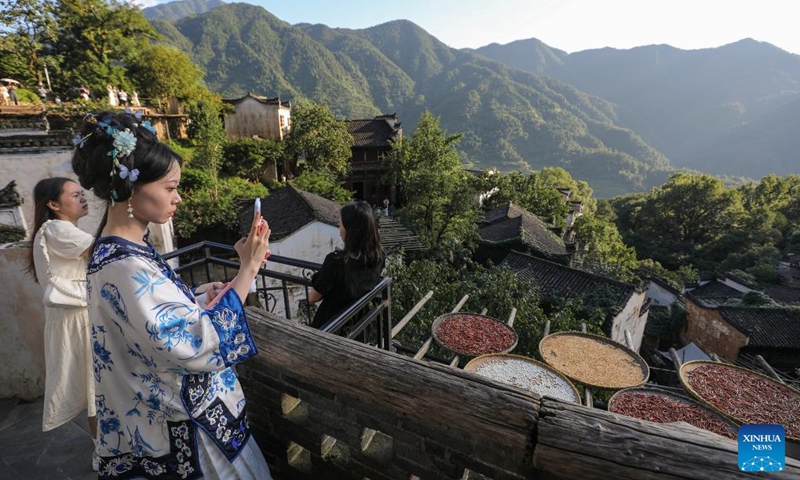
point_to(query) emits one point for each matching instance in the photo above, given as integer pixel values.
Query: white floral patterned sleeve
(160, 318)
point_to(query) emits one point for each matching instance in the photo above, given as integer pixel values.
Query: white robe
(168, 399)
(69, 386)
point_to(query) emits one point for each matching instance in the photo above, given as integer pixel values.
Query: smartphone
(257, 211)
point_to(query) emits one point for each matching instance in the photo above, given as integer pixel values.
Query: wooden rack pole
(427, 345)
(546, 328)
(676, 360)
(587, 391)
(402, 323)
(511, 317)
(766, 366)
(628, 339)
(714, 357)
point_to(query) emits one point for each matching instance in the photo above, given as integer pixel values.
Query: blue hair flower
(124, 142)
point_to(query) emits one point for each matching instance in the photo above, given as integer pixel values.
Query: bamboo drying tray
(733, 428)
(688, 367)
(476, 363)
(442, 318)
(546, 350)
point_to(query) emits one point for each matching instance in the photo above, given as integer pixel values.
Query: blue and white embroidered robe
(162, 366)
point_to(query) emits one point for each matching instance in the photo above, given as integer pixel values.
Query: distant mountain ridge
(511, 119)
(728, 111)
(172, 11)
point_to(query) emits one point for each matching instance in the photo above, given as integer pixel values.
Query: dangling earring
(130, 209)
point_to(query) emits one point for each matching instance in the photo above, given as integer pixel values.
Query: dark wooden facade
(372, 140)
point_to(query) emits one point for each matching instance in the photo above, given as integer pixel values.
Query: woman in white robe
(60, 248)
(169, 404)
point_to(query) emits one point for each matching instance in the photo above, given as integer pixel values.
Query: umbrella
(9, 80)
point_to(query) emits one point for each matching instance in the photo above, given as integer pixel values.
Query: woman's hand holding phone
(253, 251)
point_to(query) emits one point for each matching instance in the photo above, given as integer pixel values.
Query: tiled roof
(511, 222)
(395, 236)
(766, 327)
(260, 98)
(782, 294)
(377, 132)
(556, 279)
(288, 209)
(715, 293)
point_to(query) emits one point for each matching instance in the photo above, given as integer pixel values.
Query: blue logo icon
(762, 448)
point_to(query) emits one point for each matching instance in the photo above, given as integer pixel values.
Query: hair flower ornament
(124, 142)
(146, 124)
(131, 175)
(79, 140)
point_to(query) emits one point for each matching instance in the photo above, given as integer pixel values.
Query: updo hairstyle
(93, 164)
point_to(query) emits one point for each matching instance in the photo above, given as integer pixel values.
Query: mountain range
(611, 117)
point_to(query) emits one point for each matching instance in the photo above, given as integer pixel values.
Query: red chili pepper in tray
(747, 397)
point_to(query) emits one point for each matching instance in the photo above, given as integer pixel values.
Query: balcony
(345, 406)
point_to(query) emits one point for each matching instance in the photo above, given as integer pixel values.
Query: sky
(569, 25)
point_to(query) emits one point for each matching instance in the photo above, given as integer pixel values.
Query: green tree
(320, 139)
(676, 221)
(532, 192)
(440, 197)
(602, 250)
(323, 185)
(249, 157)
(30, 28)
(164, 72)
(98, 39)
(209, 138)
(205, 216)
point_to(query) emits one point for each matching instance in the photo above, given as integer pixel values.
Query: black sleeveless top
(341, 283)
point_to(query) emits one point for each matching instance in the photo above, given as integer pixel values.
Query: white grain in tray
(528, 376)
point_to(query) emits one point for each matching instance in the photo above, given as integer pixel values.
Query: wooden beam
(404, 321)
(546, 328)
(576, 442)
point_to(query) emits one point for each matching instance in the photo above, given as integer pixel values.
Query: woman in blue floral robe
(169, 404)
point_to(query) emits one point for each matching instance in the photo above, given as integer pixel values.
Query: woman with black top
(348, 274)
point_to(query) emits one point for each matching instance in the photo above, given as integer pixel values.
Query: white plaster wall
(311, 243)
(659, 295)
(629, 319)
(252, 117)
(28, 168)
(21, 328)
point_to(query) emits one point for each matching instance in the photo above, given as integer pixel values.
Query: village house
(734, 331)
(511, 227)
(666, 317)
(630, 308)
(372, 140)
(256, 116)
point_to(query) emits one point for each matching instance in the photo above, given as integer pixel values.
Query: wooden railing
(367, 320)
(324, 406)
